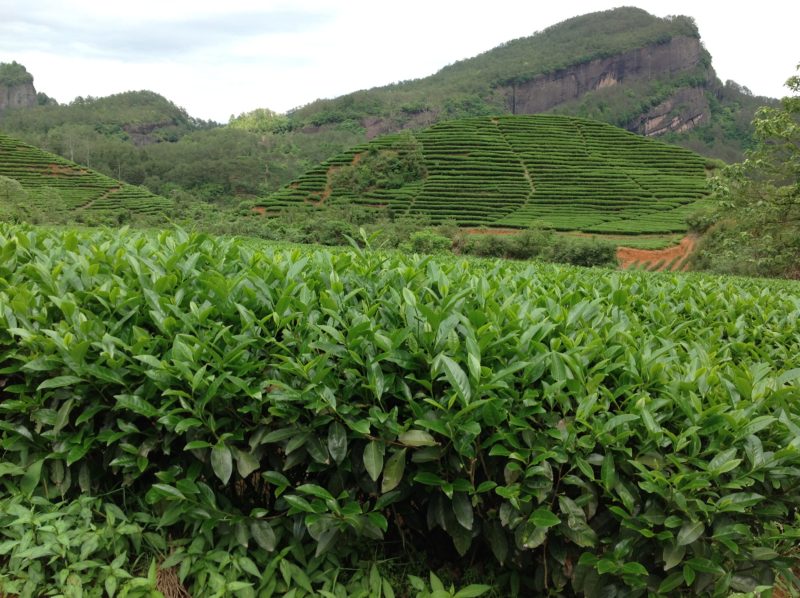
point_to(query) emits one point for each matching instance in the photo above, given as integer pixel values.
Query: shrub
(575, 431)
(427, 241)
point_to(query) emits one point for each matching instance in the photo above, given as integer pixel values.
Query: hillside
(559, 172)
(141, 117)
(37, 180)
(623, 66)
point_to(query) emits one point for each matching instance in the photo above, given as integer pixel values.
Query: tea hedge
(76, 188)
(559, 172)
(265, 420)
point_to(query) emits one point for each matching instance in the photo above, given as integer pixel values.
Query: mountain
(140, 117)
(16, 87)
(36, 183)
(559, 172)
(624, 66)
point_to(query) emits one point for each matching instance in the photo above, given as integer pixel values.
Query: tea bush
(271, 417)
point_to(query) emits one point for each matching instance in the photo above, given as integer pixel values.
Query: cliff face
(17, 96)
(656, 61)
(683, 111)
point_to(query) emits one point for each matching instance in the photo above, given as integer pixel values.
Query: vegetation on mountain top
(12, 73)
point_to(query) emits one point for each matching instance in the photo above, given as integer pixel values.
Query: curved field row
(54, 183)
(557, 172)
(672, 258)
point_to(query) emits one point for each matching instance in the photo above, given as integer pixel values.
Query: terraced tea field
(43, 174)
(564, 173)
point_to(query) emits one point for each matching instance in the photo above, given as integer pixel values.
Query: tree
(759, 199)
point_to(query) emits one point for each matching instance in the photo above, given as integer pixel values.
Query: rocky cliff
(659, 61)
(17, 96)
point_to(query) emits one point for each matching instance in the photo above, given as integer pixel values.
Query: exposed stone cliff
(22, 95)
(657, 61)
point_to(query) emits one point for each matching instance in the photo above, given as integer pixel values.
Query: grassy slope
(516, 171)
(56, 183)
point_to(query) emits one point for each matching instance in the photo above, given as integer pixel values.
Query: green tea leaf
(673, 555)
(222, 462)
(544, 518)
(690, 531)
(337, 442)
(263, 534)
(416, 438)
(31, 478)
(393, 472)
(456, 377)
(59, 382)
(373, 459)
(462, 509)
(136, 404)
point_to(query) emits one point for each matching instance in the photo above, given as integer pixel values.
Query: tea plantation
(51, 182)
(237, 419)
(559, 172)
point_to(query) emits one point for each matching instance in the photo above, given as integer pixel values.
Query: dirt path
(673, 257)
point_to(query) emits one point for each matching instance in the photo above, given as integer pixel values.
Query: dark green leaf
(373, 459)
(544, 518)
(337, 441)
(222, 462)
(263, 534)
(393, 472)
(690, 531)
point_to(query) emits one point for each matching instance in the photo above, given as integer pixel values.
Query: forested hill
(140, 117)
(624, 66)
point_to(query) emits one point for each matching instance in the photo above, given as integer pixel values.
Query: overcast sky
(223, 57)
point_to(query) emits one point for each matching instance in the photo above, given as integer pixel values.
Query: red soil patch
(327, 191)
(56, 169)
(674, 256)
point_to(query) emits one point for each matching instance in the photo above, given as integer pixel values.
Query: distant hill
(33, 180)
(141, 117)
(565, 173)
(623, 66)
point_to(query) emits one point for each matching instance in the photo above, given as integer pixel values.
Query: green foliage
(143, 139)
(760, 199)
(559, 172)
(283, 414)
(14, 73)
(429, 241)
(76, 548)
(381, 167)
(260, 120)
(542, 245)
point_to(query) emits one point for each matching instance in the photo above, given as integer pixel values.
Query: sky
(222, 58)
